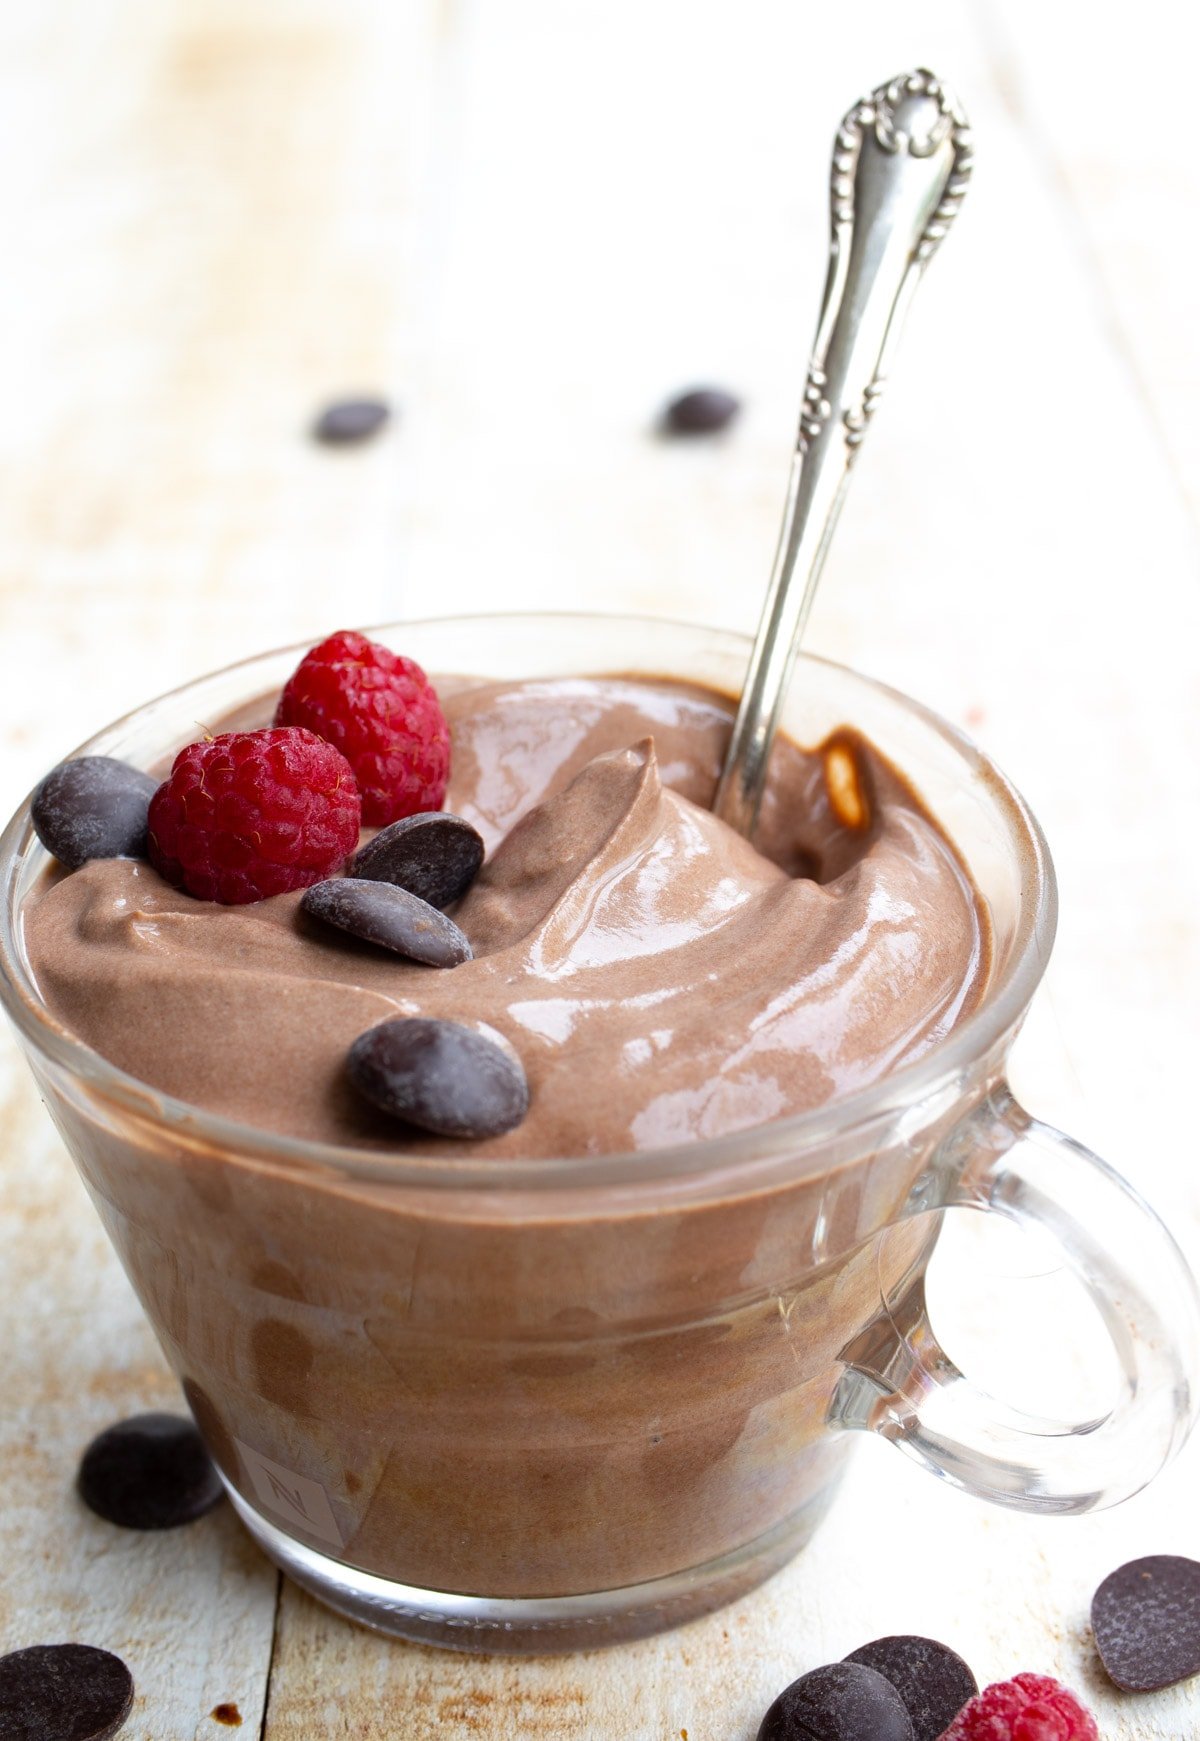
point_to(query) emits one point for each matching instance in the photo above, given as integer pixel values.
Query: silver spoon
(901, 163)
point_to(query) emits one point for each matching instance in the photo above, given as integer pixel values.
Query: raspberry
(383, 713)
(254, 813)
(1027, 1708)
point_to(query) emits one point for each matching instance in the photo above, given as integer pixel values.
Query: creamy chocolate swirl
(661, 979)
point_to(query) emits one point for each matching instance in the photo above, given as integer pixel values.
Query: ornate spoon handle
(901, 163)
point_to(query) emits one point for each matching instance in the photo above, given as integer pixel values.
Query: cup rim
(793, 1138)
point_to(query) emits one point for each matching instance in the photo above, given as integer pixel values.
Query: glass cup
(535, 1405)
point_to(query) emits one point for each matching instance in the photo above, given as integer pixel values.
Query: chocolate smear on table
(434, 855)
(93, 807)
(149, 1472)
(933, 1680)
(63, 1692)
(440, 1076)
(844, 1701)
(1146, 1618)
(388, 916)
(701, 411)
(345, 422)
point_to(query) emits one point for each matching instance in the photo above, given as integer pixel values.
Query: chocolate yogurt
(491, 1388)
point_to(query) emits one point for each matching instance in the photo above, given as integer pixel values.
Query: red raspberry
(1027, 1708)
(383, 713)
(254, 813)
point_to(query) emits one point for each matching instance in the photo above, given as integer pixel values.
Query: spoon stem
(901, 163)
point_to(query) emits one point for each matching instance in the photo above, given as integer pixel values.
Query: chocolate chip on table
(93, 807)
(1146, 1618)
(345, 421)
(63, 1692)
(149, 1472)
(844, 1701)
(385, 914)
(702, 411)
(440, 1076)
(933, 1680)
(434, 855)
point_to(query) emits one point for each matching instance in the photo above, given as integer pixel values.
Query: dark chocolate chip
(1146, 1618)
(440, 1076)
(350, 420)
(390, 916)
(933, 1680)
(841, 1702)
(701, 412)
(433, 855)
(93, 807)
(63, 1692)
(149, 1472)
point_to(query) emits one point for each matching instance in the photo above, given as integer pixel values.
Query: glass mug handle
(900, 1383)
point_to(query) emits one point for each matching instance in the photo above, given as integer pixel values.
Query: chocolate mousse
(414, 1358)
(660, 978)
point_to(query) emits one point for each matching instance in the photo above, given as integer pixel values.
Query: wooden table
(529, 223)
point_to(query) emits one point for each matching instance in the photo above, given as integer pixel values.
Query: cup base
(533, 1626)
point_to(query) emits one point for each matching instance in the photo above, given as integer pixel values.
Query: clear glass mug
(544, 1404)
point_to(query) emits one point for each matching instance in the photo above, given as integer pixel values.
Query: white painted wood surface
(530, 223)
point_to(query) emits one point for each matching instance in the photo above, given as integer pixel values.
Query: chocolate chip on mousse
(1146, 1618)
(93, 807)
(933, 1680)
(440, 1076)
(63, 1692)
(149, 1472)
(389, 916)
(434, 855)
(844, 1701)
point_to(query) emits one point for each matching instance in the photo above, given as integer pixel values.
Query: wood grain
(530, 224)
